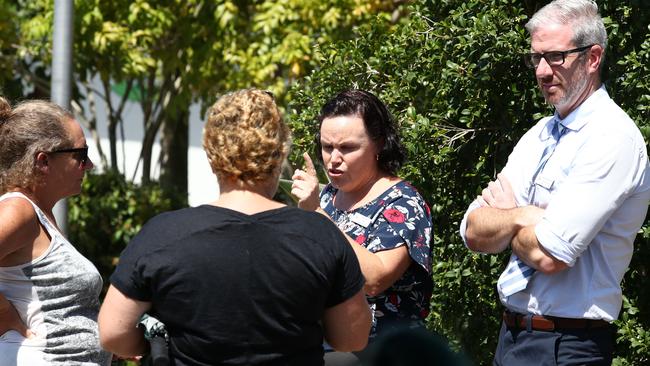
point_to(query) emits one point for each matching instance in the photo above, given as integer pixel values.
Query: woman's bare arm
(118, 320)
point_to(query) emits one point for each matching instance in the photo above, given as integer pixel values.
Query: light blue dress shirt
(595, 189)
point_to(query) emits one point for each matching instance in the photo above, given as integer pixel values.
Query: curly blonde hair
(29, 128)
(245, 137)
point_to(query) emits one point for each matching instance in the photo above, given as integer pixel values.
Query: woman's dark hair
(378, 122)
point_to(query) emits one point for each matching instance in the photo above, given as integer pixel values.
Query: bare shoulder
(17, 207)
(18, 224)
(385, 183)
(391, 180)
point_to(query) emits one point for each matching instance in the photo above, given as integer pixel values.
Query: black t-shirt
(240, 289)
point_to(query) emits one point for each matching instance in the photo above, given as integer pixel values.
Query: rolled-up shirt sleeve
(602, 176)
(517, 161)
(463, 224)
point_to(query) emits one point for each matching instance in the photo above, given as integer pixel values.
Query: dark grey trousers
(593, 347)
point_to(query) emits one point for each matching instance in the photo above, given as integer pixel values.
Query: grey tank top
(57, 296)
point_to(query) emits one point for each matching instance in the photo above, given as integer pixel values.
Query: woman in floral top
(384, 216)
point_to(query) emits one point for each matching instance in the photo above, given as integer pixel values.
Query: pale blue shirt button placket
(517, 274)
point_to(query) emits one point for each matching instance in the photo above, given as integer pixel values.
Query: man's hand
(305, 185)
(498, 194)
(491, 227)
(10, 320)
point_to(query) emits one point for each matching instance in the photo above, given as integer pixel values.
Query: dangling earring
(377, 157)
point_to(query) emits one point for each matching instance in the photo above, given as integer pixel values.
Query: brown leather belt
(549, 323)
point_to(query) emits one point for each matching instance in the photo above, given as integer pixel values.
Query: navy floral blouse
(397, 217)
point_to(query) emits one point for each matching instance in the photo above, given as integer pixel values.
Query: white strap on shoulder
(51, 229)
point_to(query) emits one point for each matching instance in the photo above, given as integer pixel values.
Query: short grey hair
(582, 15)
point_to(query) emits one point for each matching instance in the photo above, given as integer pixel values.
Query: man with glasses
(568, 203)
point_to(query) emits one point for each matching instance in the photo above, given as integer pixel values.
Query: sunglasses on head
(79, 153)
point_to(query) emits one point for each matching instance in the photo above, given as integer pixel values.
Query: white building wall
(202, 184)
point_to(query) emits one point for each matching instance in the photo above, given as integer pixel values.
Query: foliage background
(162, 56)
(453, 77)
(109, 213)
(449, 70)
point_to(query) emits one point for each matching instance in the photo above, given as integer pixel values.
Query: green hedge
(453, 77)
(108, 213)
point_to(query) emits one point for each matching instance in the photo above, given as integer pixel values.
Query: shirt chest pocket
(548, 181)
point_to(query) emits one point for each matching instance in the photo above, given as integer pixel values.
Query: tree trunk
(112, 122)
(146, 152)
(173, 156)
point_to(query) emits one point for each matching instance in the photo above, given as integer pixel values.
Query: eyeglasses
(80, 154)
(553, 58)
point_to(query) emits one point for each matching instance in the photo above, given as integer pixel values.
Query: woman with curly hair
(244, 280)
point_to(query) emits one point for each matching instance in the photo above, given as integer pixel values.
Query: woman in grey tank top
(49, 293)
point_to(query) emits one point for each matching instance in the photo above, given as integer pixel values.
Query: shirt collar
(580, 116)
(546, 133)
